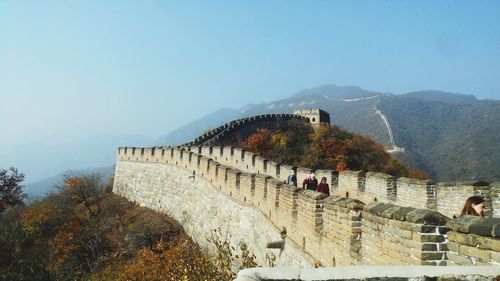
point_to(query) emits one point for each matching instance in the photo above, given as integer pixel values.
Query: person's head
(313, 175)
(474, 206)
(292, 172)
(323, 179)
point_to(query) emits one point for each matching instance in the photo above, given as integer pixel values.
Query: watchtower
(315, 115)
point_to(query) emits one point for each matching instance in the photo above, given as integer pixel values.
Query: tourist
(474, 206)
(306, 180)
(292, 178)
(323, 187)
(311, 182)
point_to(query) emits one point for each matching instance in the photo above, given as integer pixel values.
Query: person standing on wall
(323, 187)
(306, 180)
(310, 183)
(292, 178)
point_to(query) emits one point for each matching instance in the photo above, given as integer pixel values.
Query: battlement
(315, 116)
(372, 219)
(446, 198)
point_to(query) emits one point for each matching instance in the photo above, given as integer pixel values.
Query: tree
(11, 190)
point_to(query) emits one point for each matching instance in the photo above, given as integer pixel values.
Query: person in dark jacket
(323, 187)
(311, 182)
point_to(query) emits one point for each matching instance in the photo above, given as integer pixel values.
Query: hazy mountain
(39, 160)
(196, 128)
(450, 136)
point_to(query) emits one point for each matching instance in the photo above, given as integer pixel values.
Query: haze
(79, 78)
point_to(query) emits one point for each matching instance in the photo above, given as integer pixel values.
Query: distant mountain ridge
(452, 137)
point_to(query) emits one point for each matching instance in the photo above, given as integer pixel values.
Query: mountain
(452, 137)
(43, 158)
(196, 128)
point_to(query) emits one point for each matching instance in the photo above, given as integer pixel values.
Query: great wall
(370, 219)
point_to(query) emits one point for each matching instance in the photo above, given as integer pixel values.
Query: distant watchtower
(316, 116)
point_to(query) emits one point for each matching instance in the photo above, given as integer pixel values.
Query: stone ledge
(379, 175)
(415, 181)
(313, 194)
(417, 216)
(473, 240)
(426, 217)
(370, 273)
(476, 225)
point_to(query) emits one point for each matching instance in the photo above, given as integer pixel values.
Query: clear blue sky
(72, 68)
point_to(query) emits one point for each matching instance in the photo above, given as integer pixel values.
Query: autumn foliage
(84, 232)
(11, 190)
(327, 147)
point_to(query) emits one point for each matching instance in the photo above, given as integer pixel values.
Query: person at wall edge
(474, 206)
(310, 182)
(306, 180)
(292, 178)
(323, 187)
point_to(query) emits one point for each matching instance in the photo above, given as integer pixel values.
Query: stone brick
(380, 208)
(401, 214)
(443, 247)
(425, 228)
(389, 213)
(430, 238)
(458, 259)
(429, 247)
(462, 238)
(426, 217)
(443, 229)
(489, 243)
(462, 224)
(484, 227)
(475, 252)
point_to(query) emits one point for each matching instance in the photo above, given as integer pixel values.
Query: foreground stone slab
(371, 273)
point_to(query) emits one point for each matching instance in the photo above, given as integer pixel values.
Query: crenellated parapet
(446, 198)
(220, 133)
(474, 241)
(369, 219)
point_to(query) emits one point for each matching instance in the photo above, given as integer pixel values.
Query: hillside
(452, 137)
(451, 140)
(85, 232)
(297, 143)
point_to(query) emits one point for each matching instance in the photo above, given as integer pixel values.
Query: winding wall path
(219, 133)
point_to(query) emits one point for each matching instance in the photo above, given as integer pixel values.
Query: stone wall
(495, 199)
(395, 235)
(451, 197)
(197, 205)
(446, 198)
(474, 241)
(258, 207)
